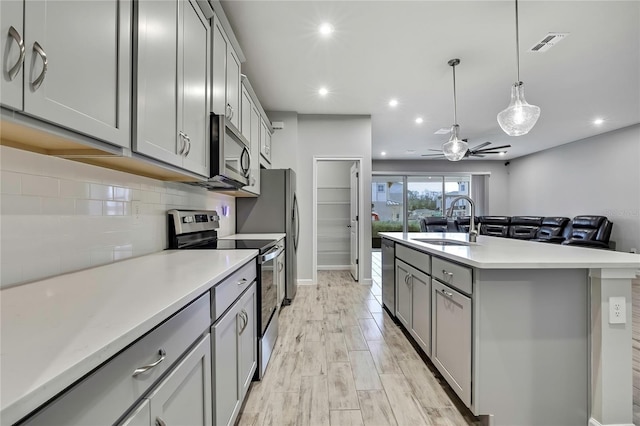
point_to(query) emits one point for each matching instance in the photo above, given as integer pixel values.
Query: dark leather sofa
(582, 231)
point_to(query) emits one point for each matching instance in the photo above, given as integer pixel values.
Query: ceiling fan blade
(493, 148)
(479, 146)
(476, 155)
(437, 150)
(432, 155)
(490, 152)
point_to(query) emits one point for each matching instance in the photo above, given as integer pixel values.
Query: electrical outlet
(136, 211)
(633, 250)
(617, 310)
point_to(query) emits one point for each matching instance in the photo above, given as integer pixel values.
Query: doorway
(337, 201)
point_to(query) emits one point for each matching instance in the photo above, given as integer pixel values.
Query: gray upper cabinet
(265, 142)
(172, 83)
(226, 76)
(13, 53)
(76, 67)
(250, 128)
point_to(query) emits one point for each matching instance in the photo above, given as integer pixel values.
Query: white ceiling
(399, 49)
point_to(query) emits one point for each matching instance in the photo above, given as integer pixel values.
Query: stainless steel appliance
(230, 157)
(275, 210)
(389, 276)
(190, 229)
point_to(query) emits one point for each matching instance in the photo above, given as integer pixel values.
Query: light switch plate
(617, 310)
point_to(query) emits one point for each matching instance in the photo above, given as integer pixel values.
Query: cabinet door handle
(148, 367)
(410, 279)
(280, 266)
(245, 320)
(188, 139)
(446, 293)
(449, 274)
(242, 281)
(160, 422)
(183, 144)
(229, 113)
(13, 71)
(40, 51)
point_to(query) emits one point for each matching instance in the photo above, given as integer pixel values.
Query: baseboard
(594, 422)
(333, 268)
(306, 282)
(366, 281)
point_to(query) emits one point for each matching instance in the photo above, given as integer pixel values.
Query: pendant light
(519, 117)
(455, 149)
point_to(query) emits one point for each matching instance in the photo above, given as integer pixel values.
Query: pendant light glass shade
(519, 117)
(455, 149)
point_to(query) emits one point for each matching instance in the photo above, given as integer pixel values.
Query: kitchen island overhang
(542, 347)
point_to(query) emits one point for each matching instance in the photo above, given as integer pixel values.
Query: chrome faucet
(473, 233)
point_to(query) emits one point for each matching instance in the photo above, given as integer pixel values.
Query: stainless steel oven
(190, 229)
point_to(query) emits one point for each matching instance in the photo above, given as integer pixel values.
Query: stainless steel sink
(441, 242)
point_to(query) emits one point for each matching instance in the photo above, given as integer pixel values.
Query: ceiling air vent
(548, 42)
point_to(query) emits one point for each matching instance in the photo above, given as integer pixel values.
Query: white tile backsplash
(59, 216)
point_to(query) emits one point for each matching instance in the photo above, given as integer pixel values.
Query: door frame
(314, 219)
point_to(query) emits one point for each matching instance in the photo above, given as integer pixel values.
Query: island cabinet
(173, 83)
(451, 326)
(226, 98)
(106, 394)
(413, 285)
(69, 63)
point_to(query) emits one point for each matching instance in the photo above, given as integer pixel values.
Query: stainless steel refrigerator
(275, 210)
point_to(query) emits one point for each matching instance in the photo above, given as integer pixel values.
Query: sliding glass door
(399, 202)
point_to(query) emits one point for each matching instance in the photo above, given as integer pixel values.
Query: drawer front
(225, 293)
(106, 394)
(458, 276)
(415, 258)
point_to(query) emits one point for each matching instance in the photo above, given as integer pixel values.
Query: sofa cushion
(495, 226)
(524, 227)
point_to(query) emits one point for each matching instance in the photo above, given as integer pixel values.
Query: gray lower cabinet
(413, 307)
(451, 338)
(141, 416)
(183, 397)
(234, 356)
(172, 83)
(75, 70)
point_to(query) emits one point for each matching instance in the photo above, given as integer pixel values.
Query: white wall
(284, 142)
(60, 216)
(330, 136)
(498, 197)
(596, 176)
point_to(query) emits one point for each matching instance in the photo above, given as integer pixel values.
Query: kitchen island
(519, 329)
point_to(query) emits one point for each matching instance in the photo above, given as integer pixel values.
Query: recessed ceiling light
(326, 29)
(419, 120)
(393, 103)
(323, 91)
(383, 153)
(598, 121)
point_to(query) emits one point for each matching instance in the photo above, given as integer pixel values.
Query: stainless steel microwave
(230, 156)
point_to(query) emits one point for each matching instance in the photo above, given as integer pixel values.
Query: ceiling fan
(478, 151)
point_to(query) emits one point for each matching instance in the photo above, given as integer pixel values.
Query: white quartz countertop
(57, 330)
(254, 237)
(505, 253)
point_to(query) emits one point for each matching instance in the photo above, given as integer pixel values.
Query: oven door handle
(271, 254)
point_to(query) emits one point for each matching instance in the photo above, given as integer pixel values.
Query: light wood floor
(340, 360)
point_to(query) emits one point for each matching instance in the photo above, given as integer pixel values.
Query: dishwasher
(389, 276)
